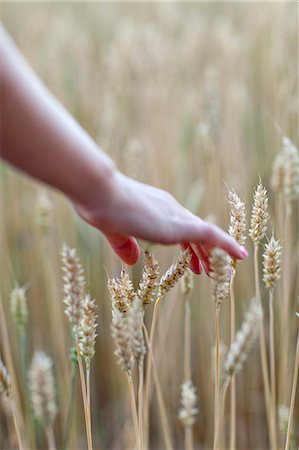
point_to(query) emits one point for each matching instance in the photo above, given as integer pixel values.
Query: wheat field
(200, 99)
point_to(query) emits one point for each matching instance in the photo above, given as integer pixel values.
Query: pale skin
(40, 138)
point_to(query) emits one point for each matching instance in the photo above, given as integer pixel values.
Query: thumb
(126, 247)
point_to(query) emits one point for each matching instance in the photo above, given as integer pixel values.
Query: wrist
(98, 183)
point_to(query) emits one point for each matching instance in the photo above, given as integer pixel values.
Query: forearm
(40, 137)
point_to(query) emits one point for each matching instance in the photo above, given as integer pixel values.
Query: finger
(207, 233)
(126, 247)
(195, 264)
(203, 256)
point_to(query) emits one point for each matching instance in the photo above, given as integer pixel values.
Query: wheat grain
(244, 340)
(188, 411)
(291, 160)
(121, 335)
(174, 273)
(18, 305)
(149, 281)
(122, 292)
(87, 329)
(5, 383)
(259, 214)
(271, 263)
(237, 228)
(73, 285)
(43, 211)
(42, 388)
(220, 274)
(283, 418)
(135, 322)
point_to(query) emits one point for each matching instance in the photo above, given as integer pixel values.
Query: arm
(39, 137)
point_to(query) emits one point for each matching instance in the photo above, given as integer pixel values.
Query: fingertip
(239, 253)
(244, 252)
(202, 258)
(126, 247)
(129, 252)
(195, 265)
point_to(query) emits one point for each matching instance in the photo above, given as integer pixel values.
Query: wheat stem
(50, 438)
(140, 399)
(19, 418)
(70, 412)
(272, 365)
(222, 398)
(88, 404)
(162, 409)
(134, 410)
(285, 343)
(147, 390)
(293, 396)
(189, 444)
(187, 347)
(263, 350)
(216, 385)
(17, 429)
(233, 381)
(84, 392)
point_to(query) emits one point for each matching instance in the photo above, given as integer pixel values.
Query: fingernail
(244, 252)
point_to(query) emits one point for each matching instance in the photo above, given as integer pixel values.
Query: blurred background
(188, 97)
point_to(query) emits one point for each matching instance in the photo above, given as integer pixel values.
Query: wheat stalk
(238, 353)
(258, 228)
(73, 288)
(293, 394)
(271, 275)
(188, 410)
(87, 340)
(237, 229)
(220, 275)
(167, 281)
(122, 337)
(290, 160)
(6, 392)
(162, 409)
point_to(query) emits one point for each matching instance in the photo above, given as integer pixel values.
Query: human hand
(135, 210)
